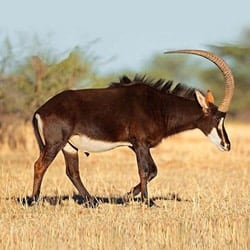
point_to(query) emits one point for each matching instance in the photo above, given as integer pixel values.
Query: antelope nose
(227, 147)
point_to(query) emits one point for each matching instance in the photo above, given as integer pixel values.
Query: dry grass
(213, 213)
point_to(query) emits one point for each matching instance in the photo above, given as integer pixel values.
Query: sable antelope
(136, 113)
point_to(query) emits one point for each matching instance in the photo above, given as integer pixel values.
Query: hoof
(127, 197)
(150, 203)
(91, 203)
(28, 201)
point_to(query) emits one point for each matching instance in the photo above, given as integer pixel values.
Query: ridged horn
(224, 68)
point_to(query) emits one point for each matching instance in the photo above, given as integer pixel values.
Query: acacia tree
(35, 80)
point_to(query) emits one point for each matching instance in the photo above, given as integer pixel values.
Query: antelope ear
(209, 97)
(201, 100)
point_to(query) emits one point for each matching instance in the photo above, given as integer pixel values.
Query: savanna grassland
(203, 197)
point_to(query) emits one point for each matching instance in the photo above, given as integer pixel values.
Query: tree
(204, 75)
(172, 67)
(35, 79)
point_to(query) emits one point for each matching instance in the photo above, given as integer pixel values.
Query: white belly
(86, 144)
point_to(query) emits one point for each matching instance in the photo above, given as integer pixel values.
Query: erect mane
(160, 84)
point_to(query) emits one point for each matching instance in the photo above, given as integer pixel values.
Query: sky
(126, 33)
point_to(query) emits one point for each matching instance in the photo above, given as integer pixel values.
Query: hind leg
(47, 155)
(72, 171)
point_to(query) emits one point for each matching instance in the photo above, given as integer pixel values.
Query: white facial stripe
(214, 137)
(40, 127)
(86, 144)
(220, 126)
(219, 137)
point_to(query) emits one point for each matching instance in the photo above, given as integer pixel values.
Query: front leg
(151, 169)
(146, 166)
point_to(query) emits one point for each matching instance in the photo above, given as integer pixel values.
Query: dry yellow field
(213, 189)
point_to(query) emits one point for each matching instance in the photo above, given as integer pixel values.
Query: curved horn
(224, 68)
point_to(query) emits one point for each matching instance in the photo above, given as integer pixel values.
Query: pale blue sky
(128, 31)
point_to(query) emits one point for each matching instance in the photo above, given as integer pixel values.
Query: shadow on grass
(78, 199)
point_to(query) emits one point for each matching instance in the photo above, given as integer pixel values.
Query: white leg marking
(68, 148)
(40, 127)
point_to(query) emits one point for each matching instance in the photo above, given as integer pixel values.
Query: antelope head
(212, 123)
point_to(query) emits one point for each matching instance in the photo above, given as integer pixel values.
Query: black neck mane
(160, 85)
